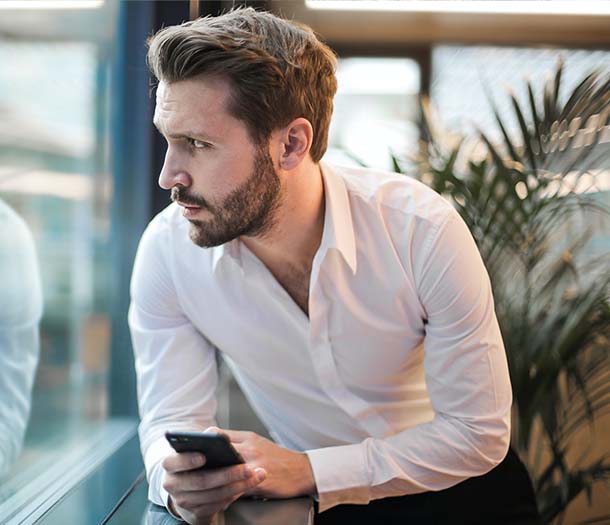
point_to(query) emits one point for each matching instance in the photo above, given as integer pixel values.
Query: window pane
(376, 108)
(461, 77)
(55, 190)
(464, 77)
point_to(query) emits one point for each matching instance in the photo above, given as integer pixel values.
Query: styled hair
(277, 69)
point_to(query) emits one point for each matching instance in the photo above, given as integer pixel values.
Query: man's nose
(173, 173)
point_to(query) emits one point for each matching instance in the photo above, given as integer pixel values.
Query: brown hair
(278, 69)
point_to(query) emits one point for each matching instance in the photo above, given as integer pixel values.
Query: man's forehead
(163, 102)
(171, 97)
(188, 104)
(210, 90)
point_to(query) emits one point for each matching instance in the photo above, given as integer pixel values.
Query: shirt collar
(230, 250)
(338, 233)
(338, 226)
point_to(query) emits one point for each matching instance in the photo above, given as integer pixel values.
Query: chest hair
(296, 283)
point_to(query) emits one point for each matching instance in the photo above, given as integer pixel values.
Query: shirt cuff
(341, 475)
(165, 496)
(156, 475)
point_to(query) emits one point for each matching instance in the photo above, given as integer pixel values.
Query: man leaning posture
(352, 305)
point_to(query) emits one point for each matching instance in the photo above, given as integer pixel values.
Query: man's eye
(198, 144)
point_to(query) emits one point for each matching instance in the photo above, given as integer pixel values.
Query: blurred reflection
(20, 313)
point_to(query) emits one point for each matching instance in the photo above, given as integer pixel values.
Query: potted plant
(528, 202)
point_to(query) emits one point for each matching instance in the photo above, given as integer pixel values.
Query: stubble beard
(249, 210)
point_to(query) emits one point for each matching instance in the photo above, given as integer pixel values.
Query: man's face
(226, 184)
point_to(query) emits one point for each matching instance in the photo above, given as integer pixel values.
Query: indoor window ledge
(36, 499)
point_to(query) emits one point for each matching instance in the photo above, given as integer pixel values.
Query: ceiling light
(495, 7)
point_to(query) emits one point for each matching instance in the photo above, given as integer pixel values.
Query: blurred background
(79, 160)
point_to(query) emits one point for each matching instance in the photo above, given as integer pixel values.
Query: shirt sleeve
(175, 365)
(467, 380)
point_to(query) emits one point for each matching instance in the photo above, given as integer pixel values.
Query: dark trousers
(503, 496)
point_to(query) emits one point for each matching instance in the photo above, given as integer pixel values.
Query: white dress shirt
(20, 313)
(396, 383)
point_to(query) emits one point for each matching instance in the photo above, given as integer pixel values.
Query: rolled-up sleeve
(467, 380)
(175, 365)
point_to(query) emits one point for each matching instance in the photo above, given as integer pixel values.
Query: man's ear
(296, 139)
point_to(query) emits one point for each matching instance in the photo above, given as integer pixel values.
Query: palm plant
(526, 203)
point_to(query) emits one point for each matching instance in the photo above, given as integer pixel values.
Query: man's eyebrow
(186, 134)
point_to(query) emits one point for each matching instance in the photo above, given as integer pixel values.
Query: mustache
(179, 193)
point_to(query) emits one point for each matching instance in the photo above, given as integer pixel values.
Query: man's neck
(297, 232)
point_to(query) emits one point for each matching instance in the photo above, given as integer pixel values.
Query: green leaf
(551, 295)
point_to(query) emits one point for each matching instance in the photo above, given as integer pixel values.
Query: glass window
(465, 77)
(55, 275)
(376, 109)
(462, 77)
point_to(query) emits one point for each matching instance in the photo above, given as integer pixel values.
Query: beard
(248, 210)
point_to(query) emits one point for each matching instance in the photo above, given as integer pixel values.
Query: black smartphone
(216, 447)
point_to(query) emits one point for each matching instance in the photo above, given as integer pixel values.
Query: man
(351, 305)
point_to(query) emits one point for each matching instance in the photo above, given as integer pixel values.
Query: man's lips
(188, 206)
(189, 211)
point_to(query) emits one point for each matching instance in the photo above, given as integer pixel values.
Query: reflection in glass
(20, 313)
(54, 174)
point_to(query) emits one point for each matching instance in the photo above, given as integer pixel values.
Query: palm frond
(521, 201)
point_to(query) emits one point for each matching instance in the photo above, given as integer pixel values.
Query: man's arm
(469, 387)
(467, 380)
(177, 378)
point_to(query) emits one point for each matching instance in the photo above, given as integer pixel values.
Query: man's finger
(217, 430)
(220, 494)
(183, 462)
(212, 479)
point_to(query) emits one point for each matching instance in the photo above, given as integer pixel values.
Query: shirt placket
(324, 364)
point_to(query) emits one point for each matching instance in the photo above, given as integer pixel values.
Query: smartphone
(216, 447)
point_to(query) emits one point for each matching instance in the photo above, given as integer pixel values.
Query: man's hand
(289, 473)
(198, 495)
